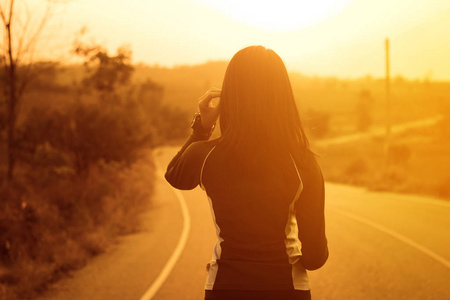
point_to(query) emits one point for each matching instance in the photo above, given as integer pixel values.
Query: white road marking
(421, 199)
(429, 200)
(158, 282)
(394, 234)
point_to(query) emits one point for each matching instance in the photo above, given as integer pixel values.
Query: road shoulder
(129, 267)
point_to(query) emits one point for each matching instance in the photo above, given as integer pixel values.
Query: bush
(83, 135)
(399, 154)
(357, 167)
(2, 118)
(44, 217)
(85, 175)
(363, 110)
(442, 188)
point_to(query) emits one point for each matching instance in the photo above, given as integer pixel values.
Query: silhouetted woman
(263, 183)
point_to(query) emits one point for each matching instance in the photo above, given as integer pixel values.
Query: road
(382, 246)
(379, 131)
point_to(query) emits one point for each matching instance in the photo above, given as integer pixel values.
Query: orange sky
(333, 38)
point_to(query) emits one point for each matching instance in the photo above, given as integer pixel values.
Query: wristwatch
(196, 125)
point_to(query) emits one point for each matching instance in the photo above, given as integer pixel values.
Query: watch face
(196, 120)
(196, 125)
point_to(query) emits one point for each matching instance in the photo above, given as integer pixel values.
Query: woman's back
(251, 199)
(263, 183)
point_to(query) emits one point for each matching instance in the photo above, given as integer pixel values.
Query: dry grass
(419, 161)
(81, 179)
(51, 226)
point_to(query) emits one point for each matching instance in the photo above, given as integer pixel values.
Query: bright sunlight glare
(279, 15)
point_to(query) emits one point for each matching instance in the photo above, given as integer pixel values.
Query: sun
(278, 15)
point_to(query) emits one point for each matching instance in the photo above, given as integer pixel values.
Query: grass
(83, 177)
(418, 162)
(51, 225)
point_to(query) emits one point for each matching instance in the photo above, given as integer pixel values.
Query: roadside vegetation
(85, 134)
(83, 170)
(76, 168)
(417, 160)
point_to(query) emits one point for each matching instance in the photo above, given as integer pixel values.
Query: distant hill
(183, 85)
(320, 99)
(340, 98)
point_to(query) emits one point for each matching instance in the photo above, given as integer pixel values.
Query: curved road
(382, 246)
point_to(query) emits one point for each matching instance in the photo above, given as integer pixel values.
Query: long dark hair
(257, 106)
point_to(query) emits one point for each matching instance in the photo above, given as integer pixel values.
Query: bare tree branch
(18, 49)
(31, 41)
(5, 38)
(8, 27)
(24, 29)
(11, 12)
(3, 16)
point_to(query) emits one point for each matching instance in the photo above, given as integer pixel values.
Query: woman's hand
(209, 112)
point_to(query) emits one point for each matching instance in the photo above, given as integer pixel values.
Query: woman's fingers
(212, 93)
(208, 112)
(205, 100)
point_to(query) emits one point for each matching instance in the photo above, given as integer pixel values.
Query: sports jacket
(270, 223)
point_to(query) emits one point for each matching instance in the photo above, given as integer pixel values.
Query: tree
(20, 36)
(105, 71)
(363, 109)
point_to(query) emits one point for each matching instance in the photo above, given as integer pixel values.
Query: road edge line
(159, 281)
(394, 234)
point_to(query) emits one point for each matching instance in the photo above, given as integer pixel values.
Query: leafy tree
(86, 134)
(104, 72)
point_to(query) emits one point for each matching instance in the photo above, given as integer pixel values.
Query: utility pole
(388, 107)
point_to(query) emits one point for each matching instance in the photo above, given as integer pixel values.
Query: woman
(263, 183)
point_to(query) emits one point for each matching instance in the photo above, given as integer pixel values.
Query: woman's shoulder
(201, 146)
(198, 150)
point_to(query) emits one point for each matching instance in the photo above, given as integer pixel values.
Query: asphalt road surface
(382, 246)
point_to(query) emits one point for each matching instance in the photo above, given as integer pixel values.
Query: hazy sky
(343, 38)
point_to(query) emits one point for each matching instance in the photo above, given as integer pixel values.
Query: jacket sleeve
(311, 219)
(183, 172)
